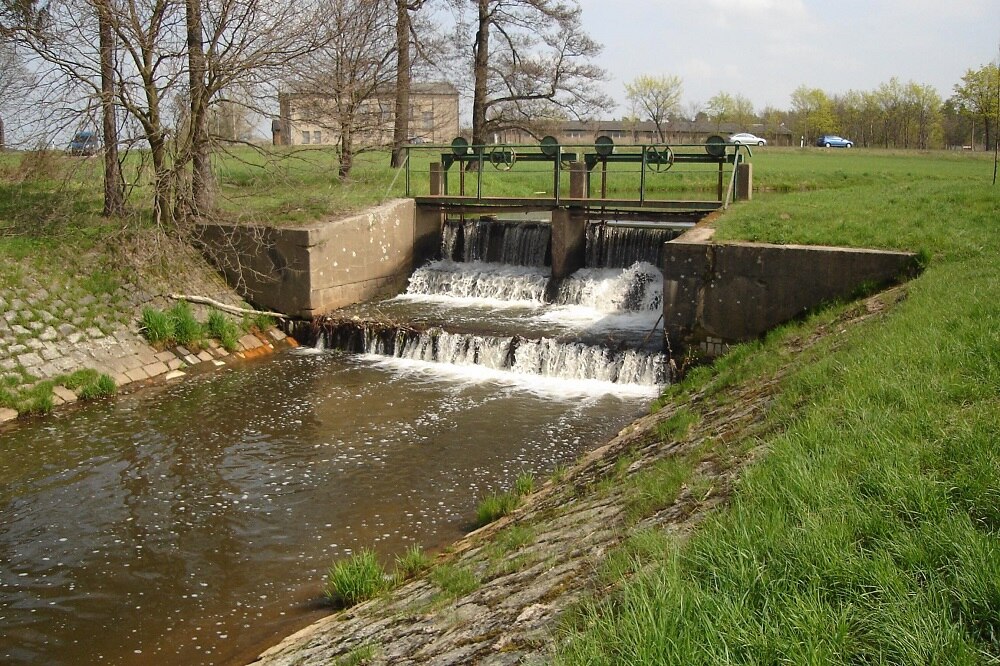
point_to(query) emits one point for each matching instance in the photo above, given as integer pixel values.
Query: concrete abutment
(715, 294)
(718, 294)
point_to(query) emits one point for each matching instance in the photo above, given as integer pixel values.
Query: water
(192, 524)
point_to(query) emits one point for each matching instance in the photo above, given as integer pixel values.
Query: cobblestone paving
(53, 330)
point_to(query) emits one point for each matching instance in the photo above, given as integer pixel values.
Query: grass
(869, 532)
(412, 562)
(358, 578)
(178, 326)
(499, 504)
(454, 581)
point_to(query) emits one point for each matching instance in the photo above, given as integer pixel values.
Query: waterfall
(489, 304)
(543, 357)
(638, 288)
(496, 241)
(478, 280)
(610, 245)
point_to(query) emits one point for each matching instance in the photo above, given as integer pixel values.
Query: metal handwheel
(659, 158)
(502, 158)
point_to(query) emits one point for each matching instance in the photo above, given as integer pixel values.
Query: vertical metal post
(407, 171)
(479, 175)
(555, 170)
(642, 177)
(461, 178)
(721, 177)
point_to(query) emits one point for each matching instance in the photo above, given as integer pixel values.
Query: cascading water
(544, 357)
(497, 241)
(616, 246)
(488, 305)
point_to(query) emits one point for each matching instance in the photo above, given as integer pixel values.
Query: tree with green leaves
(978, 96)
(726, 108)
(655, 98)
(814, 112)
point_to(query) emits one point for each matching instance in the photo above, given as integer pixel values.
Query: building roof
(671, 126)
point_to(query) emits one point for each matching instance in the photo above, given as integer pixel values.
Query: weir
(475, 255)
(512, 317)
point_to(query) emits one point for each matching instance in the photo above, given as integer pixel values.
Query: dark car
(834, 141)
(84, 142)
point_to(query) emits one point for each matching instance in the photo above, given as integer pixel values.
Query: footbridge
(651, 182)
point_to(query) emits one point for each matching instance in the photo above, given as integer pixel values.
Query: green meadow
(868, 531)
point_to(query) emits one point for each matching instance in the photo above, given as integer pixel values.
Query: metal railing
(496, 167)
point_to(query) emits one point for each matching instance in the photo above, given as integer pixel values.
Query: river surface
(193, 523)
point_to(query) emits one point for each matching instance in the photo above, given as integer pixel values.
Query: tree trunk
(346, 154)
(401, 123)
(480, 72)
(202, 182)
(114, 194)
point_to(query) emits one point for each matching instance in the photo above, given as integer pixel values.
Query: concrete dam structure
(711, 295)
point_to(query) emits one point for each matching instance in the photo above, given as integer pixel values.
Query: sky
(765, 49)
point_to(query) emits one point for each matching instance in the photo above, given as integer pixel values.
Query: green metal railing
(495, 166)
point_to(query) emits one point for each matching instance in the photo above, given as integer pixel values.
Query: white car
(747, 139)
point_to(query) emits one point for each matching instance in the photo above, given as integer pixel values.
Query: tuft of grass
(358, 656)
(187, 330)
(677, 425)
(496, 505)
(80, 378)
(524, 484)
(454, 581)
(358, 578)
(655, 488)
(157, 326)
(412, 562)
(224, 330)
(104, 386)
(258, 322)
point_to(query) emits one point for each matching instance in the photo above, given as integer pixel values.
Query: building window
(427, 117)
(317, 136)
(305, 136)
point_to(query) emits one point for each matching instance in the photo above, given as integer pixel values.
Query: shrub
(358, 578)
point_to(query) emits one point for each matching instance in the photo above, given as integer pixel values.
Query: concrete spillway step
(544, 356)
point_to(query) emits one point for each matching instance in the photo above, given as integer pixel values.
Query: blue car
(85, 142)
(834, 141)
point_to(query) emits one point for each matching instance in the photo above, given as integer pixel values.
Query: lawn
(869, 531)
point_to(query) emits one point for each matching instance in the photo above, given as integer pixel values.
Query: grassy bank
(868, 533)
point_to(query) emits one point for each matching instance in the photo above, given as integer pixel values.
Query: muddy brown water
(193, 523)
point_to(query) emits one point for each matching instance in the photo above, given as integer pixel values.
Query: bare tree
(163, 51)
(404, 31)
(531, 59)
(345, 85)
(114, 191)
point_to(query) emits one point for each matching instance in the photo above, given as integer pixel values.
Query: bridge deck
(472, 204)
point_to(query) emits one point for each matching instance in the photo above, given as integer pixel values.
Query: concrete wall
(719, 294)
(311, 270)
